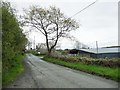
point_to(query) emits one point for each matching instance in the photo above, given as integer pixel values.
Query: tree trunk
(49, 52)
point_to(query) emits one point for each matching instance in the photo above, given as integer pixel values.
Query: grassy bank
(107, 72)
(0, 73)
(13, 72)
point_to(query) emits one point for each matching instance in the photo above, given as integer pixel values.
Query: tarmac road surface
(42, 74)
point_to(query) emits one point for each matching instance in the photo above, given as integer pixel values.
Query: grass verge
(12, 73)
(0, 74)
(107, 72)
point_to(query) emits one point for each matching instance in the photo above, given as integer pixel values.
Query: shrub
(114, 62)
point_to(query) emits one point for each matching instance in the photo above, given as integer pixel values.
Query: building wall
(109, 55)
(94, 55)
(101, 55)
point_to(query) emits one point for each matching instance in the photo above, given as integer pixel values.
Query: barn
(109, 52)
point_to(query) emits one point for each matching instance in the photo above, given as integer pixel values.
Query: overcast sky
(97, 23)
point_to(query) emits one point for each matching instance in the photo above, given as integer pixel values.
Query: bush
(114, 62)
(14, 40)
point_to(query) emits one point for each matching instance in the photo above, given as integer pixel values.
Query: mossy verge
(13, 72)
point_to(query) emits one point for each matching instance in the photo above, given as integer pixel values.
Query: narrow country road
(41, 74)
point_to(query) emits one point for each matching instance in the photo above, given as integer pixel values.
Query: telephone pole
(97, 48)
(34, 42)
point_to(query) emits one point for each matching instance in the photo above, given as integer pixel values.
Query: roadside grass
(0, 73)
(12, 73)
(107, 72)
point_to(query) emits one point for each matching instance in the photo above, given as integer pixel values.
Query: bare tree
(80, 45)
(77, 45)
(51, 22)
(41, 47)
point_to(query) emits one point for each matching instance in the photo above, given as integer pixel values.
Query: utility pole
(97, 47)
(34, 42)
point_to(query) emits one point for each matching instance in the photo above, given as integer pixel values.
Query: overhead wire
(84, 8)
